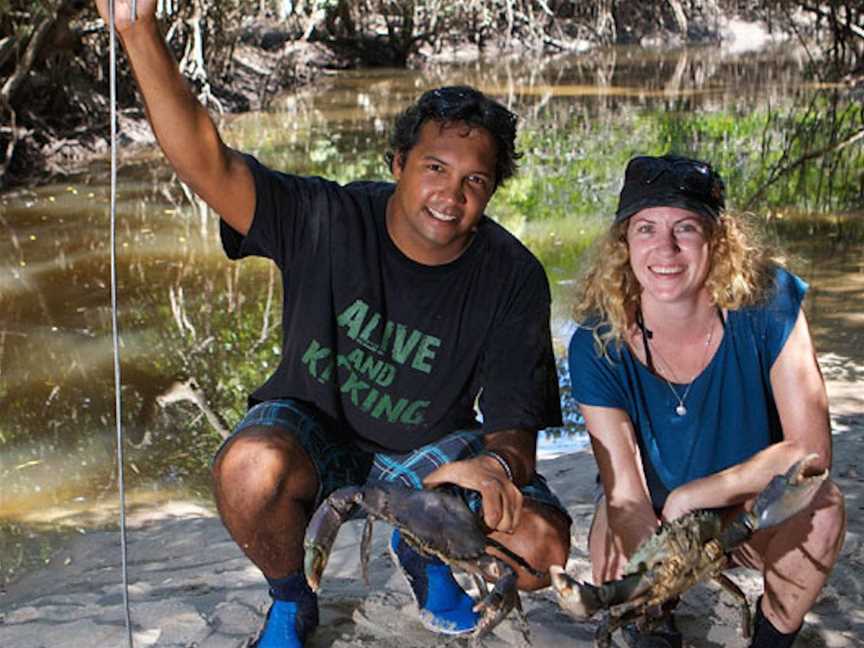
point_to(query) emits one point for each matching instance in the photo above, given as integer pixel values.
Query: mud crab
(436, 523)
(682, 553)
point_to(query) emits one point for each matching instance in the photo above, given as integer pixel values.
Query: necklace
(680, 409)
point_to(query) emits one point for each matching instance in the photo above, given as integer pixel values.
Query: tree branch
(67, 10)
(831, 148)
(852, 27)
(7, 46)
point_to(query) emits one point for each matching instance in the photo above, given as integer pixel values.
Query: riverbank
(61, 121)
(256, 76)
(190, 585)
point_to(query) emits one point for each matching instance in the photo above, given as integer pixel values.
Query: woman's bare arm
(631, 516)
(802, 403)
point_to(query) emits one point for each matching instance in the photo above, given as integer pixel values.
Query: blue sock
(444, 605)
(293, 614)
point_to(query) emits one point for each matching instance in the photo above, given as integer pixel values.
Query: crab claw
(322, 530)
(787, 494)
(313, 565)
(579, 599)
(320, 535)
(496, 605)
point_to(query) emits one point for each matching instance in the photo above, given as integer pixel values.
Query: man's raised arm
(183, 127)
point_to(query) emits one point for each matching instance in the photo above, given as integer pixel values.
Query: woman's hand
(678, 503)
(624, 517)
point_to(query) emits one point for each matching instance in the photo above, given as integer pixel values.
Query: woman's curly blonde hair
(609, 299)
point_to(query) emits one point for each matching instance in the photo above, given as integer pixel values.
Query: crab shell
(684, 552)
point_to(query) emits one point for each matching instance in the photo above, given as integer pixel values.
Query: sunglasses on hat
(670, 180)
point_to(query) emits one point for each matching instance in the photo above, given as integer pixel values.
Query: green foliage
(753, 147)
(571, 170)
(728, 139)
(575, 170)
(568, 180)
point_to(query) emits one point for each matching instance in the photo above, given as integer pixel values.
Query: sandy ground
(191, 586)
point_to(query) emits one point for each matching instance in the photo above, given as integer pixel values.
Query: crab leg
(729, 585)
(322, 530)
(603, 634)
(366, 549)
(583, 600)
(481, 584)
(522, 624)
(496, 605)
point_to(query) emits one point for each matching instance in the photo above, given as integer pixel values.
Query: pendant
(680, 410)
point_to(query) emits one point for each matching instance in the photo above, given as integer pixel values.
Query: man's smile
(441, 216)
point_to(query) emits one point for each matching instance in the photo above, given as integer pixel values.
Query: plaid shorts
(340, 462)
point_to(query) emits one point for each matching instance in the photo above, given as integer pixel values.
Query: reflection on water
(186, 312)
(351, 112)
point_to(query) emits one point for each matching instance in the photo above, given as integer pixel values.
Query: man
(402, 304)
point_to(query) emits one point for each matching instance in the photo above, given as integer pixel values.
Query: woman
(698, 381)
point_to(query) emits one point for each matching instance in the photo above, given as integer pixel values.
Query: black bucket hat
(670, 181)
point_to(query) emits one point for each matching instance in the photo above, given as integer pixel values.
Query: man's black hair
(458, 104)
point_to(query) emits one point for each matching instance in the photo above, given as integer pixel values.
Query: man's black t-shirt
(394, 351)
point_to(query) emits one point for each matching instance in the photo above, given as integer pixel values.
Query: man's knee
(547, 533)
(263, 463)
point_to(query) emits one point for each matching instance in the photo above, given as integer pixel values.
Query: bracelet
(501, 462)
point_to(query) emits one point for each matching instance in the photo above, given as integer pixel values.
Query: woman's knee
(828, 523)
(817, 534)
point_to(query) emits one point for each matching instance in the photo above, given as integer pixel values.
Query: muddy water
(834, 307)
(185, 311)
